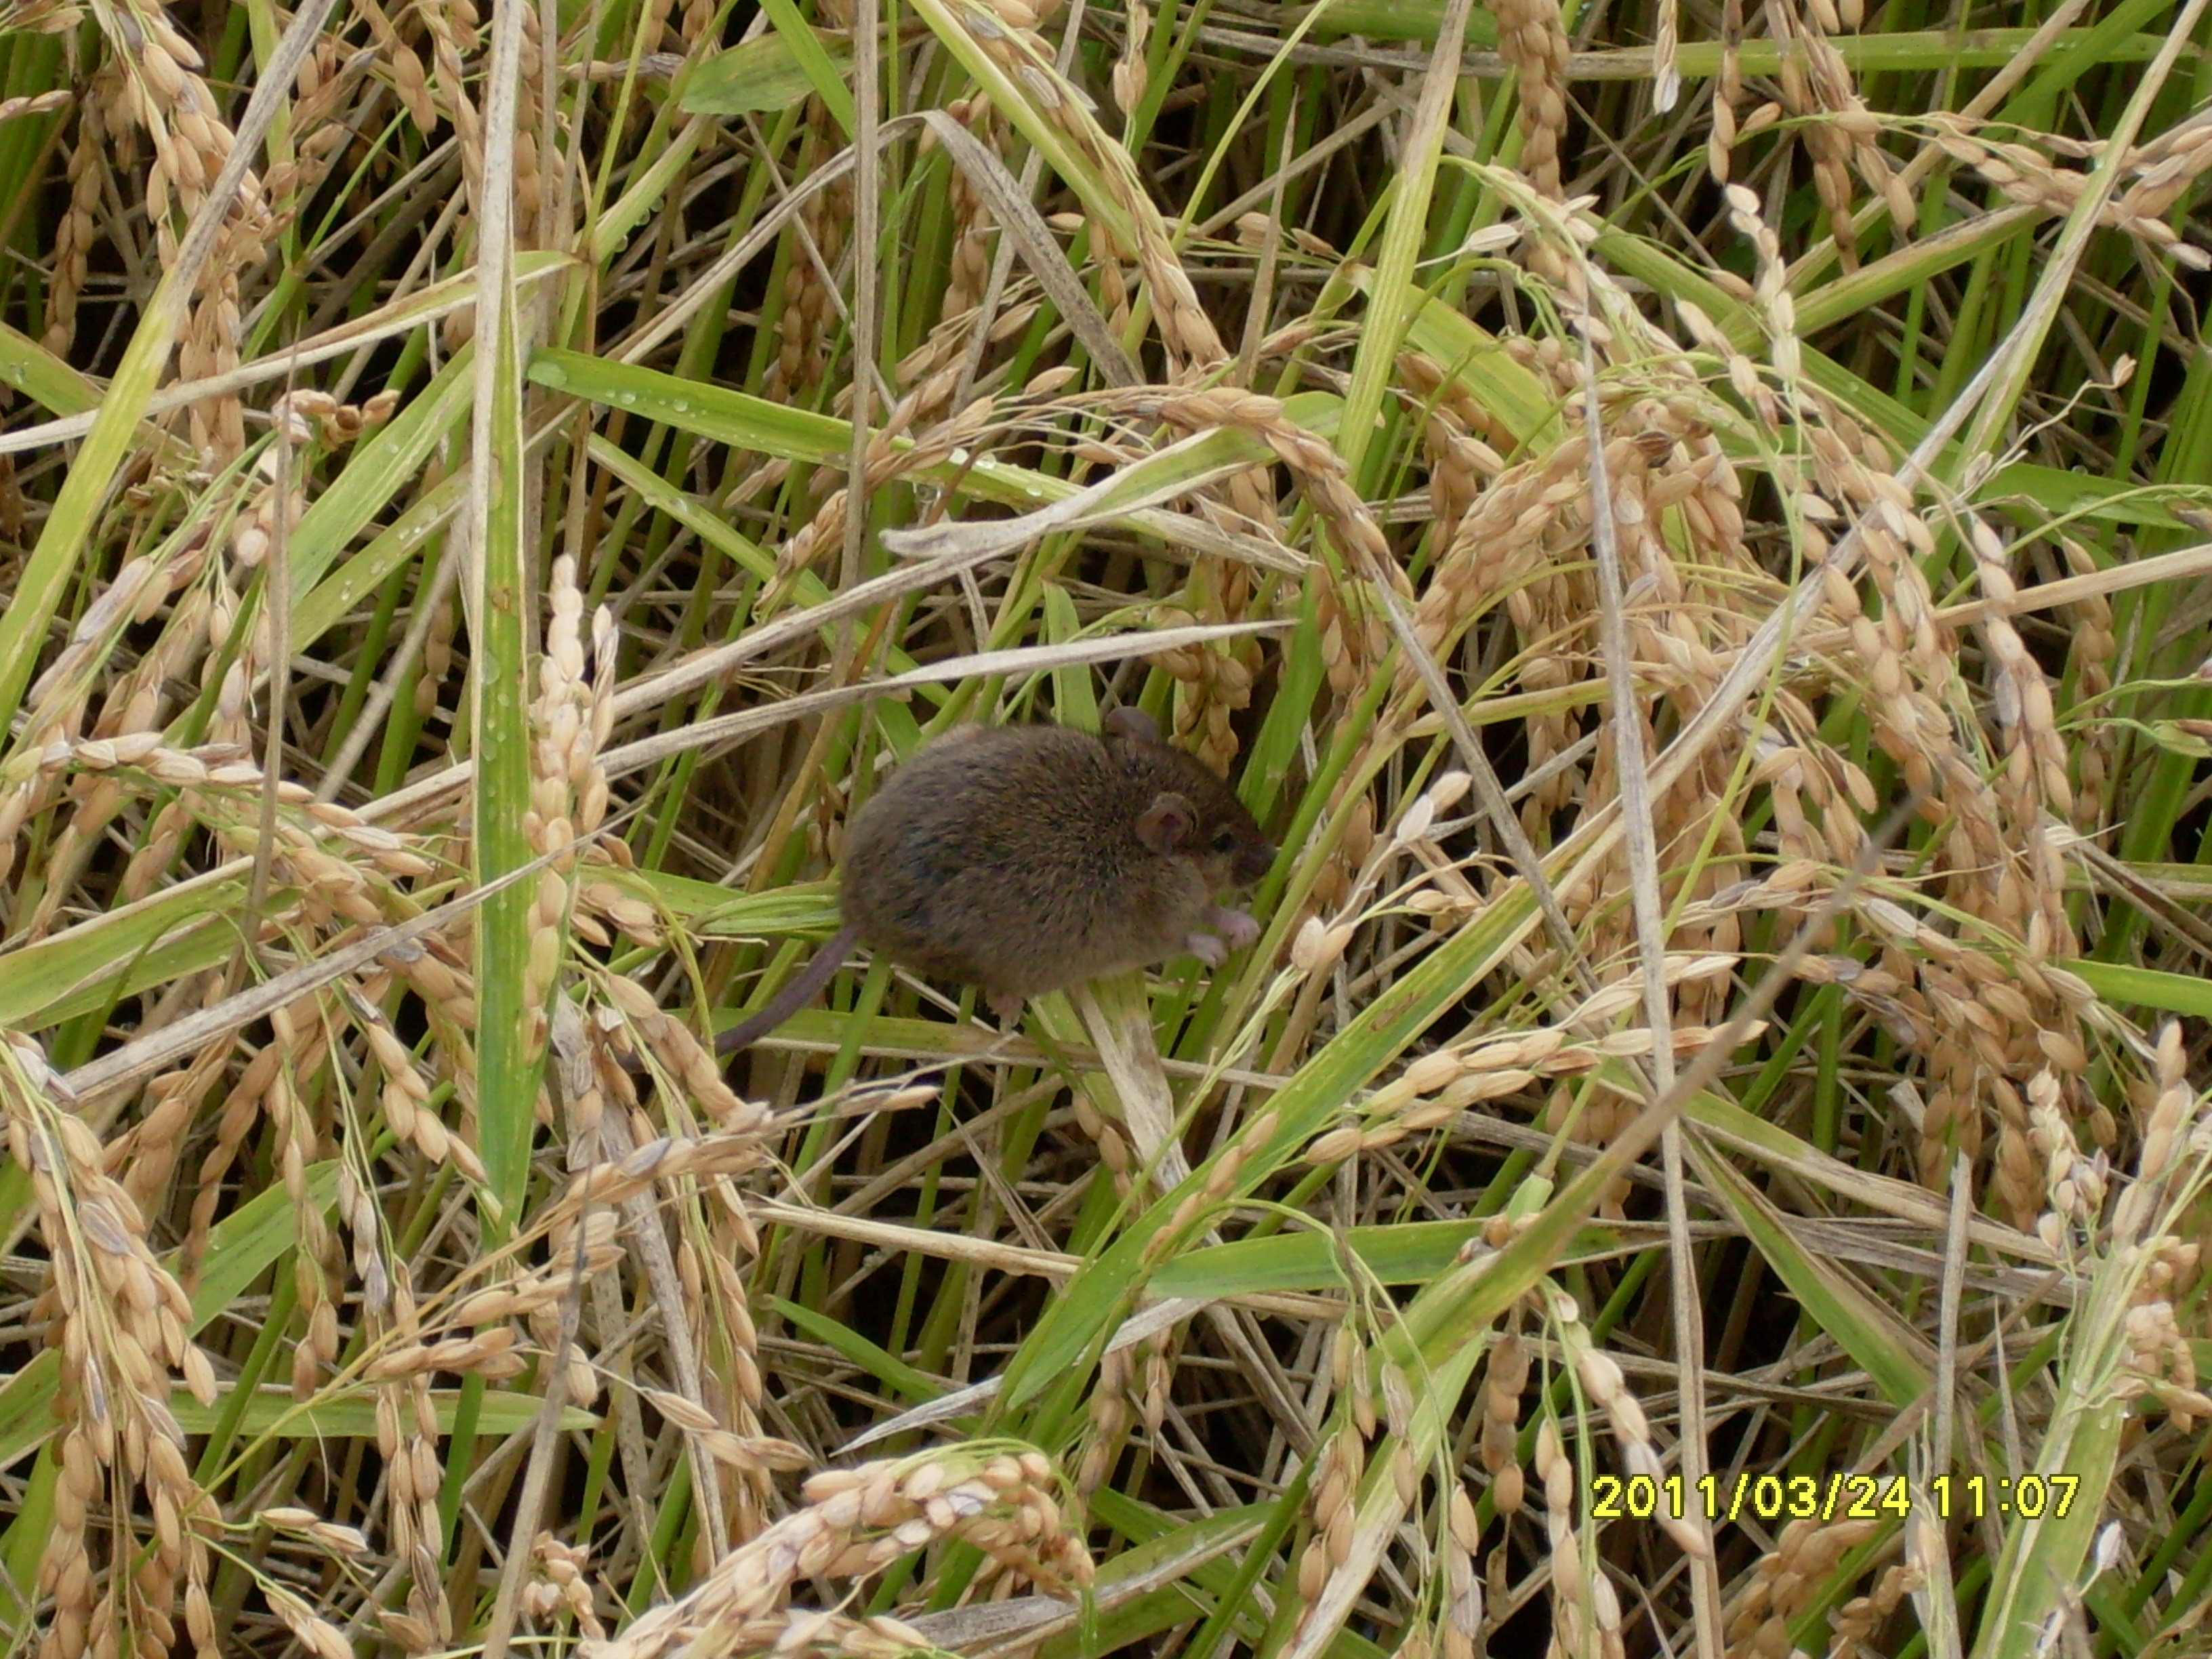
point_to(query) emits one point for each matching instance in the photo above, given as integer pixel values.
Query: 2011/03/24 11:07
(1808, 1496)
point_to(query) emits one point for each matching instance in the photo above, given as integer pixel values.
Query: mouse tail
(792, 997)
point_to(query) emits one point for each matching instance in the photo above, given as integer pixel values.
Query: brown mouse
(1026, 859)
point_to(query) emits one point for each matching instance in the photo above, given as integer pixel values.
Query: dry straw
(633, 1316)
(854, 1524)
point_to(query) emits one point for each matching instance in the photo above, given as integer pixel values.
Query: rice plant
(1685, 529)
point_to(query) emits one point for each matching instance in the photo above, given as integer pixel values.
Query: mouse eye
(1224, 840)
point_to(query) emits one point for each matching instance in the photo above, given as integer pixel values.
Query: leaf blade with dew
(376, 472)
(736, 418)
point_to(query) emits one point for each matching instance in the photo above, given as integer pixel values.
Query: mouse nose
(1254, 862)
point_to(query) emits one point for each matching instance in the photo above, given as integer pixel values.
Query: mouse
(1027, 858)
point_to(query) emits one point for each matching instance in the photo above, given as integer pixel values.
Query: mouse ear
(1133, 722)
(1167, 824)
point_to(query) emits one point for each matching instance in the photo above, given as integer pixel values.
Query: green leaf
(1889, 1350)
(88, 968)
(272, 1411)
(43, 378)
(767, 73)
(2146, 987)
(822, 72)
(887, 1369)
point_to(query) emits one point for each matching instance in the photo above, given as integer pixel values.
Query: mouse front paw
(1209, 948)
(1222, 932)
(1234, 926)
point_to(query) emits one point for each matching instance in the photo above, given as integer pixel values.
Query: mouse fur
(1027, 858)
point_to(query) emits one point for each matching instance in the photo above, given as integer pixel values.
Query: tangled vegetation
(1676, 521)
